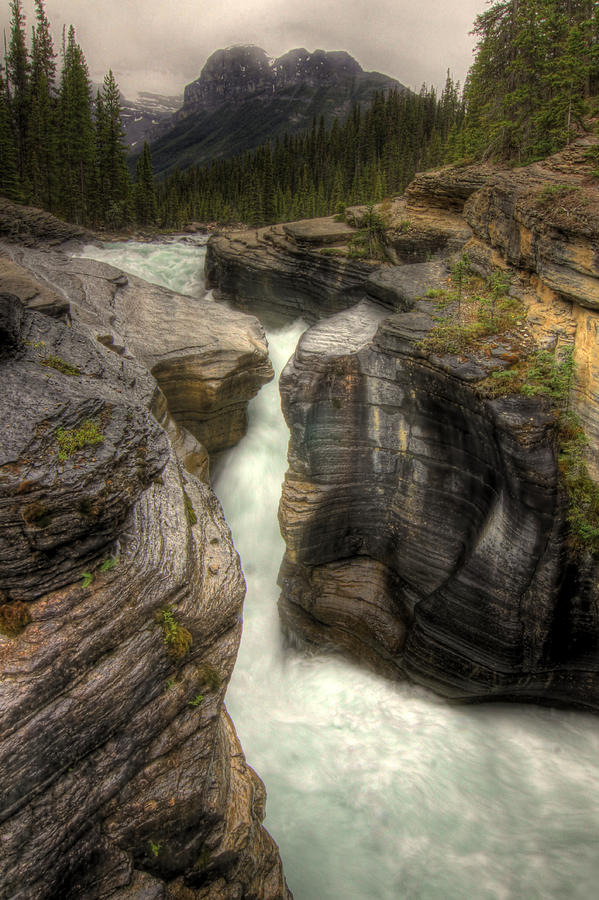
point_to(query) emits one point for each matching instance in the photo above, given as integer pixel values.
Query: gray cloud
(152, 45)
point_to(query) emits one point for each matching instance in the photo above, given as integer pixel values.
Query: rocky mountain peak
(236, 72)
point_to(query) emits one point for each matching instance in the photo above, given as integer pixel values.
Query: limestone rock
(208, 360)
(268, 272)
(425, 525)
(121, 772)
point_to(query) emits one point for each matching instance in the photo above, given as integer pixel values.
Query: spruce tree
(42, 136)
(9, 179)
(113, 182)
(77, 174)
(146, 210)
(17, 71)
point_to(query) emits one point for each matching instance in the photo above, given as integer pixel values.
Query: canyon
(426, 521)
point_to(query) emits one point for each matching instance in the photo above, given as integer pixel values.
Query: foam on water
(177, 264)
(379, 791)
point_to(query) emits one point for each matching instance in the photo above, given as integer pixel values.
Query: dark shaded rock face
(281, 272)
(425, 525)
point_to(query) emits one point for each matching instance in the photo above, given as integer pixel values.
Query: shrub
(56, 362)
(177, 639)
(209, 677)
(190, 511)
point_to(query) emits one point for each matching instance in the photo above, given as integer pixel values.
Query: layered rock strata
(120, 600)
(119, 627)
(425, 523)
(282, 275)
(208, 360)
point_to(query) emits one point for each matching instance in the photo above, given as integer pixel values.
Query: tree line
(59, 148)
(533, 84)
(373, 154)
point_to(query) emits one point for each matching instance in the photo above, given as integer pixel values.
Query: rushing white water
(383, 792)
(177, 264)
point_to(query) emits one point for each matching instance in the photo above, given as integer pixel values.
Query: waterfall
(381, 791)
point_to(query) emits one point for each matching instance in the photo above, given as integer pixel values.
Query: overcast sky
(161, 46)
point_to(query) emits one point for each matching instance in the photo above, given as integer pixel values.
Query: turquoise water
(378, 791)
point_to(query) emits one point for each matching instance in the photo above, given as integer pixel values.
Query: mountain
(243, 97)
(143, 115)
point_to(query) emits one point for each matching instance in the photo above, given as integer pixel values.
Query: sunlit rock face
(425, 525)
(119, 627)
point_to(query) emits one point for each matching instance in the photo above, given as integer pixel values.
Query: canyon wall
(120, 593)
(425, 518)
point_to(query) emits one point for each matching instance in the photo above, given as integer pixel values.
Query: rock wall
(120, 618)
(425, 523)
(208, 360)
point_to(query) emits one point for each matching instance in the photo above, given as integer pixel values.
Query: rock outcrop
(426, 521)
(119, 627)
(282, 273)
(120, 596)
(207, 374)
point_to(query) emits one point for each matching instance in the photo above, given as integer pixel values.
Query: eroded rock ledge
(207, 374)
(120, 600)
(426, 524)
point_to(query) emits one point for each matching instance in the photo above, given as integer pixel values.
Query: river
(379, 791)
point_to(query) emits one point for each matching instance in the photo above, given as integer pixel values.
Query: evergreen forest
(60, 148)
(533, 85)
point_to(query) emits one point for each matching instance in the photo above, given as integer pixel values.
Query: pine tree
(77, 155)
(17, 70)
(9, 179)
(144, 190)
(113, 182)
(42, 136)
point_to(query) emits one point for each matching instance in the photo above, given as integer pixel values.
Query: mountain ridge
(242, 97)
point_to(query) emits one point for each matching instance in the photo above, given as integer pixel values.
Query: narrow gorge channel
(380, 791)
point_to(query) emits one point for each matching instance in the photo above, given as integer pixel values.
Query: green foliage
(197, 700)
(14, 618)
(109, 564)
(146, 207)
(177, 639)
(70, 440)
(56, 362)
(87, 579)
(546, 374)
(536, 68)
(190, 511)
(373, 154)
(552, 192)
(155, 847)
(550, 375)
(476, 316)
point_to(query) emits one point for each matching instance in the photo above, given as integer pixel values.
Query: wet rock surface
(269, 272)
(425, 525)
(208, 360)
(120, 601)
